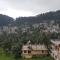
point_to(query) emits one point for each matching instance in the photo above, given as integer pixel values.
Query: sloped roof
(34, 47)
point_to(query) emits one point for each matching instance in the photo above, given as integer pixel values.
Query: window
(58, 49)
(59, 45)
(42, 51)
(55, 47)
(25, 51)
(56, 57)
(29, 51)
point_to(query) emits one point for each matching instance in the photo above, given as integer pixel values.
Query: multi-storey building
(55, 49)
(28, 51)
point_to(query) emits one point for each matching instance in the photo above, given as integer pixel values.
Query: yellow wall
(27, 56)
(34, 52)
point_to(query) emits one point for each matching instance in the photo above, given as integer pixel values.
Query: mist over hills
(48, 16)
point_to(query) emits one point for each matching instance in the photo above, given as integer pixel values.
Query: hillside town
(45, 42)
(29, 29)
(29, 50)
(44, 27)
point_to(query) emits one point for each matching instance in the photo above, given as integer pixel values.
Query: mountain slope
(39, 18)
(5, 20)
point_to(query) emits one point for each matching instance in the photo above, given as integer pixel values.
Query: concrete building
(8, 29)
(55, 49)
(28, 51)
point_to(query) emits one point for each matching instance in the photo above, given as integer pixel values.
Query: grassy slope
(4, 57)
(40, 58)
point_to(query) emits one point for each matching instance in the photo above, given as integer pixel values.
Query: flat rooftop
(56, 42)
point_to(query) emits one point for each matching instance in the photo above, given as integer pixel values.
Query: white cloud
(16, 13)
(17, 8)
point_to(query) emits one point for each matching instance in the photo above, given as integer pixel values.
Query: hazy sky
(15, 8)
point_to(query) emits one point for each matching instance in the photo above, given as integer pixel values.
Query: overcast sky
(15, 8)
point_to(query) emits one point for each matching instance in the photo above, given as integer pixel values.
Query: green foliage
(40, 58)
(3, 56)
(12, 43)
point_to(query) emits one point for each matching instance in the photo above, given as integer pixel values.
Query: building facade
(28, 51)
(55, 49)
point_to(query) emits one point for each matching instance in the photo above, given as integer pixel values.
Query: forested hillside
(48, 16)
(12, 43)
(5, 20)
(39, 18)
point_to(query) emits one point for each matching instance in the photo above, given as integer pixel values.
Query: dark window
(59, 45)
(29, 51)
(56, 57)
(10, 29)
(42, 51)
(55, 47)
(25, 51)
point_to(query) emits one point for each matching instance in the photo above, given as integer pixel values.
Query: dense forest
(44, 17)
